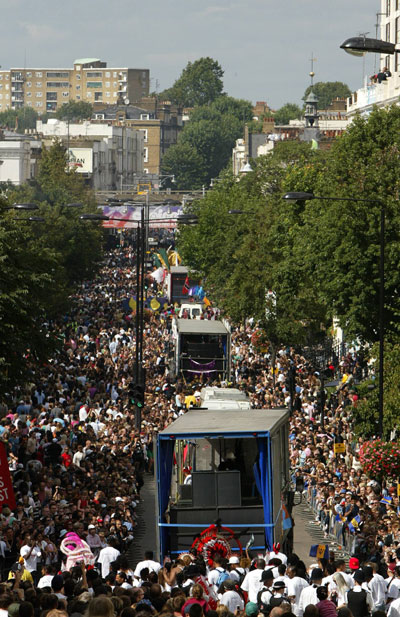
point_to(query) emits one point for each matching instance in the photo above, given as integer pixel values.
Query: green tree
(289, 111)
(186, 164)
(75, 110)
(239, 258)
(327, 91)
(19, 119)
(337, 243)
(200, 83)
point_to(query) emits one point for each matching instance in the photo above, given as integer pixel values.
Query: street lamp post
(303, 196)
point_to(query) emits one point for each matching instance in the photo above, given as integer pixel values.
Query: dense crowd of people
(78, 465)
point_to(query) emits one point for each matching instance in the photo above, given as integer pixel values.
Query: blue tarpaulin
(165, 462)
(262, 477)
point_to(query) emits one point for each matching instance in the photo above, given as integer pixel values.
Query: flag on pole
(354, 524)
(206, 301)
(185, 288)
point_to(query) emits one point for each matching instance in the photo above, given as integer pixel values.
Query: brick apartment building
(90, 80)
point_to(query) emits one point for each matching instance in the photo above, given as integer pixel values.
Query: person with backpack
(279, 596)
(359, 599)
(231, 598)
(236, 573)
(219, 574)
(265, 594)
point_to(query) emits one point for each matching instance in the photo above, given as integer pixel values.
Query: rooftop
(207, 422)
(200, 326)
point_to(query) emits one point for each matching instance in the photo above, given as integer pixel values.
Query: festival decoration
(77, 550)
(216, 540)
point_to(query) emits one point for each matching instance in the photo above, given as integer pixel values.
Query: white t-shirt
(308, 596)
(153, 566)
(232, 600)
(252, 584)
(294, 587)
(31, 561)
(394, 609)
(393, 588)
(45, 581)
(106, 556)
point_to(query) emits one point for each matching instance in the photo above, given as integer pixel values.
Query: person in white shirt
(215, 574)
(309, 593)
(78, 456)
(359, 586)
(236, 573)
(295, 586)
(48, 575)
(377, 586)
(230, 598)
(393, 583)
(31, 553)
(252, 581)
(149, 563)
(276, 554)
(107, 555)
(394, 608)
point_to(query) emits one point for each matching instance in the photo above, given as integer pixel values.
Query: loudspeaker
(220, 488)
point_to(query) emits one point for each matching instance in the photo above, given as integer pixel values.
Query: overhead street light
(360, 45)
(304, 196)
(23, 207)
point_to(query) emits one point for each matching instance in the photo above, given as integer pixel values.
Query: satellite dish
(126, 101)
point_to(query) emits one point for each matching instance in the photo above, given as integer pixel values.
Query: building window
(1, 86)
(1, 77)
(115, 95)
(38, 74)
(38, 84)
(39, 95)
(145, 170)
(387, 8)
(94, 84)
(108, 84)
(29, 74)
(78, 98)
(98, 96)
(78, 77)
(57, 74)
(108, 74)
(7, 87)
(29, 94)
(388, 32)
(1, 96)
(90, 94)
(145, 135)
(65, 94)
(397, 6)
(388, 62)
(144, 116)
(78, 87)
(397, 32)
(115, 74)
(39, 104)
(51, 96)
(28, 83)
(58, 84)
(94, 74)
(145, 155)
(108, 95)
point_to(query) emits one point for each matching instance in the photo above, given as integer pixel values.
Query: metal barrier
(337, 530)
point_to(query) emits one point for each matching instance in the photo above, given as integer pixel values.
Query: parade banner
(6, 488)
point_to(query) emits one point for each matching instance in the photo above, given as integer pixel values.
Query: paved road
(145, 537)
(306, 531)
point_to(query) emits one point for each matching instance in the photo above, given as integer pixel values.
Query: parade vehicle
(201, 347)
(223, 477)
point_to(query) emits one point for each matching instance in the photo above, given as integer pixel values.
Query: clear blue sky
(264, 46)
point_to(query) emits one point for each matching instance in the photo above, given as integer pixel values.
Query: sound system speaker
(216, 488)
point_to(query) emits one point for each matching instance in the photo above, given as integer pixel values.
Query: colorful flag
(185, 288)
(200, 293)
(386, 500)
(339, 518)
(355, 524)
(206, 301)
(321, 551)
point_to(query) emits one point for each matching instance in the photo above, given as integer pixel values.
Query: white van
(194, 310)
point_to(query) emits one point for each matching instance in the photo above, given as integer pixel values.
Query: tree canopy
(327, 91)
(41, 260)
(75, 110)
(18, 119)
(200, 83)
(205, 144)
(289, 111)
